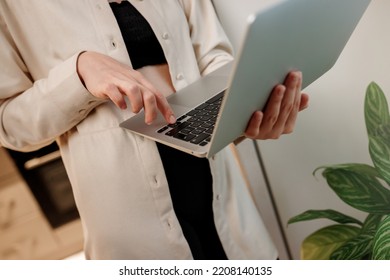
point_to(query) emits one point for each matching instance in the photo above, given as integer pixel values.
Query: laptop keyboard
(197, 125)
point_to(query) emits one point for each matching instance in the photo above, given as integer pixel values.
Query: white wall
(330, 131)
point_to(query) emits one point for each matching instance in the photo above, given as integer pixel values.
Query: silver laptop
(308, 35)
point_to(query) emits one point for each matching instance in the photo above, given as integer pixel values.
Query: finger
(113, 93)
(253, 128)
(165, 108)
(134, 94)
(296, 90)
(272, 109)
(150, 105)
(304, 102)
(290, 103)
(131, 89)
(290, 124)
(154, 102)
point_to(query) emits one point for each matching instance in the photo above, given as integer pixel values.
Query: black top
(189, 178)
(141, 42)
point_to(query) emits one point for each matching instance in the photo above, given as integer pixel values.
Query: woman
(76, 69)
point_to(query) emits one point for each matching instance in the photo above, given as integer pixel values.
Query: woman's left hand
(281, 112)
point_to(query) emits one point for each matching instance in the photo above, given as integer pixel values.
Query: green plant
(363, 187)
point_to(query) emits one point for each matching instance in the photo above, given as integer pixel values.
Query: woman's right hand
(106, 78)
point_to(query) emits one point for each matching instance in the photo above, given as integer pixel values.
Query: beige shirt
(118, 179)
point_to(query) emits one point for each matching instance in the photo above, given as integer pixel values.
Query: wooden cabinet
(24, 231)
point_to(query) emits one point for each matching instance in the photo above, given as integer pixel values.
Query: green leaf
(327, 214)
(379, 148)
(359, 190)
(377, 118)
(376, 111)
(353, 167)
(322, 243)
(355, 249)
(360, 246)
(381, 247)
(371, 222)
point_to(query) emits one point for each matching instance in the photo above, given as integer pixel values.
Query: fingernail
(172, 119)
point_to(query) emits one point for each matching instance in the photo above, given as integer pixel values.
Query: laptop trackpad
(199, 91)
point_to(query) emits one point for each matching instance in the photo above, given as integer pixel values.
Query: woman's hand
(106, 78)
(281, 111)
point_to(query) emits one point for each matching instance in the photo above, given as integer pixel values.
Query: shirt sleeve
(34, 113)
(211, 45)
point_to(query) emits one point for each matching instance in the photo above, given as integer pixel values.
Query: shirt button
(99, 7)
(217, 197)
(180, 76)
(165, 36)
(82, 111)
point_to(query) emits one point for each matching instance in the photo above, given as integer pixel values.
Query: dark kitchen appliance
(44, 173)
